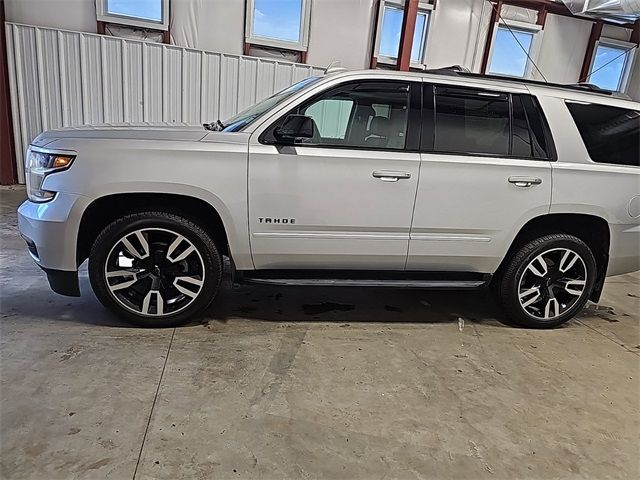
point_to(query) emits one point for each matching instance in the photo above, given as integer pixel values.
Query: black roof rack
(457, 70)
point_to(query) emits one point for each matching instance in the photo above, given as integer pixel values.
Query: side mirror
(294, 128)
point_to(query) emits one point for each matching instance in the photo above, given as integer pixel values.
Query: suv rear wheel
(547, 281)
(155, 269)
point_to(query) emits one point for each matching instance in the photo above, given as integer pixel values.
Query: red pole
(8, 172)
(596, 31)
(406, 35)
(495, 17)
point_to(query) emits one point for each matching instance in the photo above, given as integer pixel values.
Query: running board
(435, 280)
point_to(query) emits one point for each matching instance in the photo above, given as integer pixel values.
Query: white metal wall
(61, 78)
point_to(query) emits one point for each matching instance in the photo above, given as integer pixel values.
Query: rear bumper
(624, 251)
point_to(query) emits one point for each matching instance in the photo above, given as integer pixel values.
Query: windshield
(247, 116)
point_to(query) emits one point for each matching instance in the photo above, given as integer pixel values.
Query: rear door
(485, 171)
(343, 199)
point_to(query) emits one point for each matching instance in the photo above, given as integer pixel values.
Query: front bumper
(63, 282)
(51, 232)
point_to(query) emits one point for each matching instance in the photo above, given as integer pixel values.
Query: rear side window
(469, 121)
(479, 122)
(611, 134)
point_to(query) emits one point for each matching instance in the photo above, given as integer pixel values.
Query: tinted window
(360, 115)
(470, 121)
(521, 140)
(611, 134)
(540, 136)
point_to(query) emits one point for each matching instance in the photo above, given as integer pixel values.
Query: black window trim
(427, 145)
(414, 119)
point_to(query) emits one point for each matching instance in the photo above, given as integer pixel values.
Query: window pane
(609, 63)
(467, 122)
(146, 9)
(390, 35)
(541, 144)
(331, 116)
(391, 28)
(366, 115)
(611, 134)
(508, 57)
(417, 49)
(521, 143)
(278, 19)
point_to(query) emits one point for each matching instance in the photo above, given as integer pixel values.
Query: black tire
(208, 261)
(510, 288)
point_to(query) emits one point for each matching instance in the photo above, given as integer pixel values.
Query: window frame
(429, 125)
(423, 7)
(623, 83)
(414, 118)
(300, 46)
(103, 15)
(536, 30)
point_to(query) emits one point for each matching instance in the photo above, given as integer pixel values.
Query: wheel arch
(591, 229)
(104, 210)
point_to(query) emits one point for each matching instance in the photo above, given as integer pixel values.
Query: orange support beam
(596, 31)
(493, 21)
(406, 35)
(8, 173)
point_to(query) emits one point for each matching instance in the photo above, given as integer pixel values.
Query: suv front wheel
(547, 281)
(155, 269)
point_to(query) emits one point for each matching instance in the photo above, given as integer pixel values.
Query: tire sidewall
(118, 229)
(512, 287)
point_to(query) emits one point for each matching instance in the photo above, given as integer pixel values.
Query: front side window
(331, 116)
(390, 28)
(365, 115)
(278, 23)
(611, 66)
(511, 50)
(152, 14)
(611, 134)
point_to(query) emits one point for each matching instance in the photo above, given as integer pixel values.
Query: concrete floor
(308, 383)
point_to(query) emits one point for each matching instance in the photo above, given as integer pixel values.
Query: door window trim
(427, 145)
(414, 116)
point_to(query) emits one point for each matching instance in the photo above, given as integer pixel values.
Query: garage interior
(300, 382)
(317, 382)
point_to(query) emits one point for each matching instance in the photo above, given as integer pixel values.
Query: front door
(344, 198)
(485, 172)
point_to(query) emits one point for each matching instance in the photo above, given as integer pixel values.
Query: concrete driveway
(312, 383)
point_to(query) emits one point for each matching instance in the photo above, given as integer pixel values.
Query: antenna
(334, 67)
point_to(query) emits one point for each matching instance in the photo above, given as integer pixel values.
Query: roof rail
(457, 70)
(449, 69)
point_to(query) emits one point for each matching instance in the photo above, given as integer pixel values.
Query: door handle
(525, 181)
(388, 176)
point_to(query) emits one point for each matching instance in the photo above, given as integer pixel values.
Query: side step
(359, 278)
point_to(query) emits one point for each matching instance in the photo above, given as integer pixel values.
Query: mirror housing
(294, 127)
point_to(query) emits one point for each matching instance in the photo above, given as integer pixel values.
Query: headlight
(38, 165)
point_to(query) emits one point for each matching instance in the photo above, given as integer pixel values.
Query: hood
(126, 131)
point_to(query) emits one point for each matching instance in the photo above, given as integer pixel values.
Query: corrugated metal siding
(60, 78)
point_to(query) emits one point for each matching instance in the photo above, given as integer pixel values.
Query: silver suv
(438, 180)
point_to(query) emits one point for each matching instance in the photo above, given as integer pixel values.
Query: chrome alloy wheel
(154, 272)
(552, 283)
